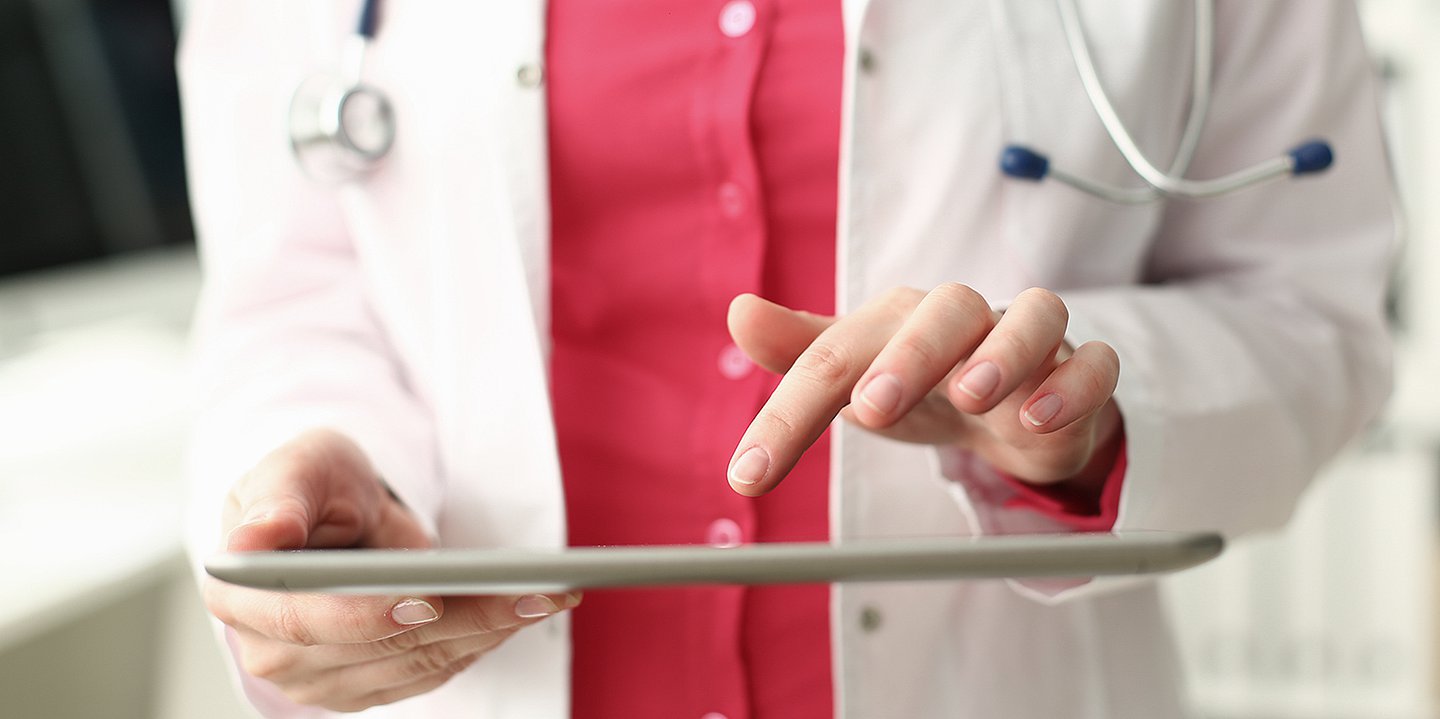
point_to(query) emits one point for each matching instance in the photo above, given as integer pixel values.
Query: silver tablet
(522, 571)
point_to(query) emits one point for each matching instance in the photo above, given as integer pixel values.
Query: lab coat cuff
(1080, 511)
(999, 505)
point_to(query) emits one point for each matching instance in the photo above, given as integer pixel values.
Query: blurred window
(90, 148)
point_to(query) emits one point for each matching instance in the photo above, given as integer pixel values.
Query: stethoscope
(1025, 163)
(341, 128)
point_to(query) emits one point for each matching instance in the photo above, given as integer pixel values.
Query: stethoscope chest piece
(339, 130)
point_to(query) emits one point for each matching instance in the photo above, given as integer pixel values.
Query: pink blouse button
(723, 533)
(737, 17)
(733, 362)
(732, 200)
(714, 715)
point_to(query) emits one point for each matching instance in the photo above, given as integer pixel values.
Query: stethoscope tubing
(316, 136)
(1024, 163)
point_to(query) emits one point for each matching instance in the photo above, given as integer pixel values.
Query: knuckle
(1046, 301)
(314, 693)
(1104, 363)
(923, 351)
(461, 664)
(348, 706)
(429, 659)
(486, 617)
(1096, 382)
(1106, 355)
(269, 665)
(427, 684)
(957, 294)
(824, 363)
(901, 297)
(399, 643)
(354, 706)
(292, 628)
(962, 302)
(290, 460)
(785, 422)
(1096, 386)
(213, 594)
(1016, 347)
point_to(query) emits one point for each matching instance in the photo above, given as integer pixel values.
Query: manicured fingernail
(535, 605)
(413, 611)
(980, 380)
(882, 393)
(256, 516)
(751, 466)
(1044, 409)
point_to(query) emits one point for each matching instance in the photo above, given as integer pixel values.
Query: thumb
(317, 491)
(272, 522)
(770, 334)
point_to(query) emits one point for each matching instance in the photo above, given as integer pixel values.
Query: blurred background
(1335, 618)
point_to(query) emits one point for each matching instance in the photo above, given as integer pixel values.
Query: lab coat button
(734, 364)
(723, 532)
(530, 75)
(737, 17)
(869, 618)
(732, 200)
(866, 58)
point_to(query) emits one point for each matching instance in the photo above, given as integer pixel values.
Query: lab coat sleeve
(285, 338)
(1257, 346)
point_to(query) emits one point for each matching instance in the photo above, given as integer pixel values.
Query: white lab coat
(410, 310)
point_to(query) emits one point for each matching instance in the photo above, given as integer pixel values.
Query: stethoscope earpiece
(1023, 163)
(1313, 156)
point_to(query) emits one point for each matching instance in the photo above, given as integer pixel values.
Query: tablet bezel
(523, 571)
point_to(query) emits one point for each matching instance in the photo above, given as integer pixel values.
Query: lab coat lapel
(506, 426)
(461, 200)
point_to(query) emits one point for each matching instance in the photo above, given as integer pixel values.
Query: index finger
(317, 619)
(813, 392)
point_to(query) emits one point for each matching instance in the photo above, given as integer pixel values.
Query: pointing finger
(813, 391)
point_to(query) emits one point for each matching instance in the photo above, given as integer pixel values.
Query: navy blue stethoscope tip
(369, 19)
(1312, 156)
(1023, 163)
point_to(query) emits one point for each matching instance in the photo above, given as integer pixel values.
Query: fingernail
(980, 380)
(882, 393)
(535, 605)
(751, 466)
(413, 611)
(1044, 409)
(255, 517)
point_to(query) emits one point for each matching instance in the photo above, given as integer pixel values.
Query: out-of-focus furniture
(99, 615)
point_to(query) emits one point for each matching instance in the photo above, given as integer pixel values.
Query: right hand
(348, 653)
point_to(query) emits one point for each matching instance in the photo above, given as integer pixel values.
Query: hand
(339, 652)
(938, 368)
